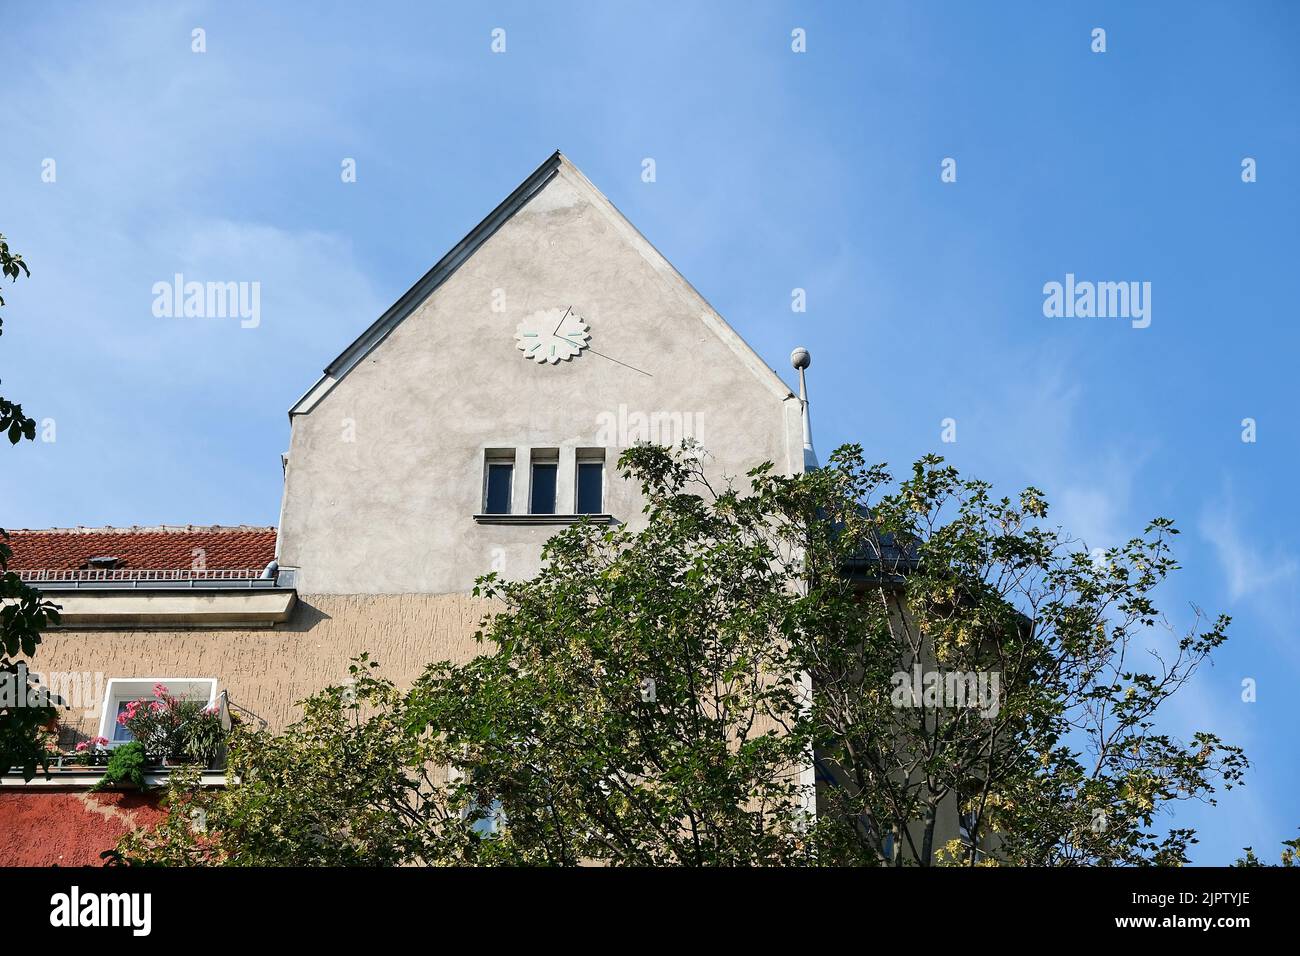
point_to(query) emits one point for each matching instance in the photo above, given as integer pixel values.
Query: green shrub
(125, 766)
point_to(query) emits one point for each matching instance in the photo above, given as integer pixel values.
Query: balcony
(169, 729)
(166, 597)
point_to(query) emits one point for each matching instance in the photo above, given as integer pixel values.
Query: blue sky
(775, 170)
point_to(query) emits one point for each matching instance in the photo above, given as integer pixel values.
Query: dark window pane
(498, 489)
(590, 475)
(544, 488)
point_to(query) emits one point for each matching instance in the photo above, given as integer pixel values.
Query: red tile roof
(161, 548)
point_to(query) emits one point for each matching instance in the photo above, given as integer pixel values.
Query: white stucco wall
(390, 510)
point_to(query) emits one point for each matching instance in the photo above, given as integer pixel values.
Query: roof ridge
(411, 299)
(557, 164)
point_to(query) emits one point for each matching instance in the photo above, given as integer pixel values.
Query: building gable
(390, 451)
(555, 165)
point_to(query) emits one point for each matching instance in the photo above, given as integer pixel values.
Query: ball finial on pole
(801, 359)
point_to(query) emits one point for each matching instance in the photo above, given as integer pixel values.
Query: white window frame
(499, 456)
(121, 689)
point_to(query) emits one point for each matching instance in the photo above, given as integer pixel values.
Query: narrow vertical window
(496, 496)
(543, 487)
(591, 487)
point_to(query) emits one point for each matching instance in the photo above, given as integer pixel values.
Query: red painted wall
(40, 827)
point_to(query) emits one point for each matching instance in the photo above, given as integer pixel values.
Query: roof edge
(710, 316)
(441, 271)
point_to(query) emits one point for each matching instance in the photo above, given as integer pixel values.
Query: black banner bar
(1215, 903)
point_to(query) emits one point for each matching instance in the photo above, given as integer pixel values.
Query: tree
(637, 704)
(25, 709)
(659, 696)
(13, 422)
(1289, 856)
(350, 784)
(1058, 758)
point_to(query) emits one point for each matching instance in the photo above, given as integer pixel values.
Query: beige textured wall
(268, 670)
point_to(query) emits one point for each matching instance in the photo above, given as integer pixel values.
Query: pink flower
(100, 741)
(211, 709)
(82, 746)
(159, 690)
(157, 707)
(123, 717)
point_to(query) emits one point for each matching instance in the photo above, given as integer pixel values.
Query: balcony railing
(147, 577)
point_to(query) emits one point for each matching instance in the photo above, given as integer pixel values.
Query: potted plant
(125, 768)
(92, 753)
(173, 730)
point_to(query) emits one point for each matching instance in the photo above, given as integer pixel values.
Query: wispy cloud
(163, 162)
(1035, 422)
(1250, 565)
